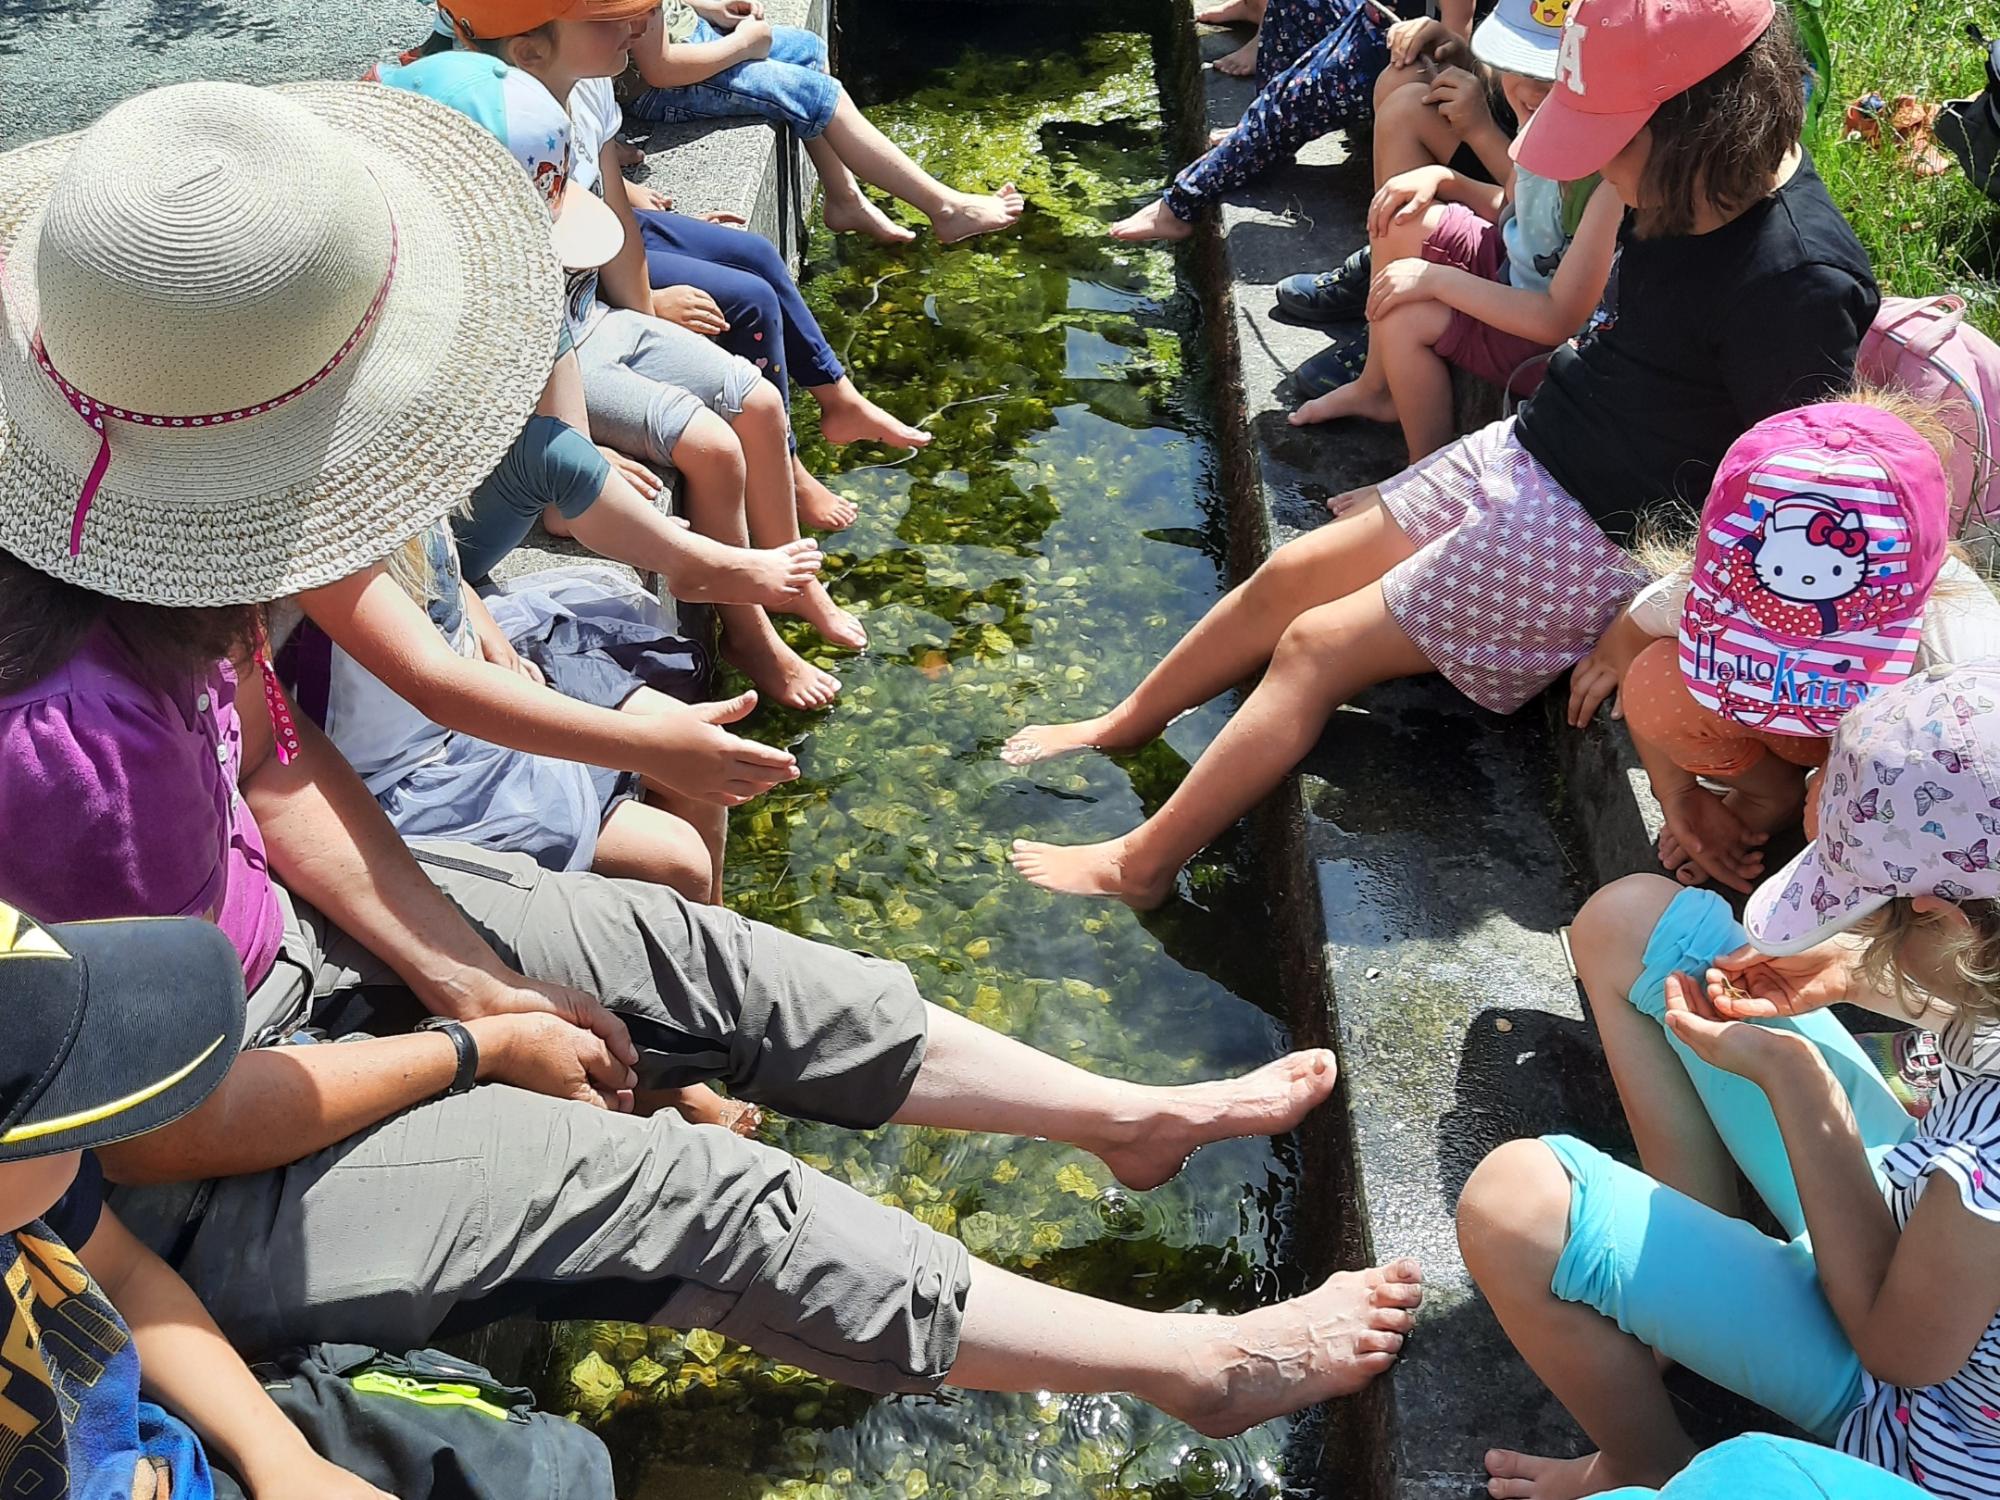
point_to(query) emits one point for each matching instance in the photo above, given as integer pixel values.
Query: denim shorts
(789, 87)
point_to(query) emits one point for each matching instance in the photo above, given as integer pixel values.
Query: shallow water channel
(1061, 532)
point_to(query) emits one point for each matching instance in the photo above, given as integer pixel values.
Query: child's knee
(1399, 94)
(1414, 325)
(1618, 920)
(1513, 1216)
(764, 410)
(708, 450)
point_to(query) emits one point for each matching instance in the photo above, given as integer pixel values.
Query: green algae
(1060, 533)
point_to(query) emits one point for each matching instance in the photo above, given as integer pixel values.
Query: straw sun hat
(252, 340)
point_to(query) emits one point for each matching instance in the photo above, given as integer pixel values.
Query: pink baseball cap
(1909, 805)
(1817, 551)
(1618, 61)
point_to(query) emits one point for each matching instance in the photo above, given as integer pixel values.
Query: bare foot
(1677, 862)
(1156, 222)
(815, 606)
(1091, 870)
(1220, 134)
(967, 214)
(714, 572)
(1040, 742)
(1355, 399)
(1231, 13)
(630, 155)
(1239, 64)
(1165, 1126)
(1329, 1343)
(847, 416)
(820, 509)
(699, 1104)
(779, 673)
(860, 215)
(1523, 1476)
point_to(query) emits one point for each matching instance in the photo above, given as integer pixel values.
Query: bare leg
(1218, 1374)
(1232, 13)
(1408, 132)
(1513, 1220)
(1769, 796)
(844, 207)
(847, 416)
(973, 1078)
(1237, 636)
(642, 842)
(1419, 380)
(1323, 659)
(880, 162)
(771, 506)
(709, 820)
(711, 563)
(1154, 222)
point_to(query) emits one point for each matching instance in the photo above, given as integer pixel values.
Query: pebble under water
(1061, 532)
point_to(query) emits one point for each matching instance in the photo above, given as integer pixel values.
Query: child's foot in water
(778, 672)
(714, 572)
(1105, 869)
(847, 416)
(815, 606)
(820, 509)
(860, 215)
(1239, 64)
(1156, 222)
(967, 214)
(1358, 398)
(1039, 742)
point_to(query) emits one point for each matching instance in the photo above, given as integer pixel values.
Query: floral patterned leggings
(1316, 67)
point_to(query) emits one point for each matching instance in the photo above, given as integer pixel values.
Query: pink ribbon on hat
(95, 411)
(1826, 531)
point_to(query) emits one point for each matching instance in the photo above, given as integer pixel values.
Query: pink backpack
(1923, 345)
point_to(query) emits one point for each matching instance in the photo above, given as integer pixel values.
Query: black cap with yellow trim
(112, 1028)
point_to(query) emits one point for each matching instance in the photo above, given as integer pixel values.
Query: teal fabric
(1758, 1466)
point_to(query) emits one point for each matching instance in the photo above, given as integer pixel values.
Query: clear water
(1058, 536)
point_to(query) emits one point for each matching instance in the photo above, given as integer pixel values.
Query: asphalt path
(64, 62)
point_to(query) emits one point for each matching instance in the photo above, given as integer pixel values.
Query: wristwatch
(467, 1049)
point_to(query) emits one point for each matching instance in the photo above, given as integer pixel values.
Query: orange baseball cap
(491, 20)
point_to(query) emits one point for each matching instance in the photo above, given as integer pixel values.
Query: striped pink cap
(1820, 541)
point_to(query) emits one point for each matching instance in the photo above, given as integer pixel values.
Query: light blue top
(1532, 231)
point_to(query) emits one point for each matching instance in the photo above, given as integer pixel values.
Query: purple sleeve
(113, 808)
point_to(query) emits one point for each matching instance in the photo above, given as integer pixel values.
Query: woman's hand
(1750, 986)
(546, 1054)
(651, 199)
(690, 307)
(1460, 97)
(1403, 197)
(698, 758)
(1407, 280)
(1758, 1053)
(509, 994)
(644, 480)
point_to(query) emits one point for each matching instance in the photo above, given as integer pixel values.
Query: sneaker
(1337, 296)
(1338, 364)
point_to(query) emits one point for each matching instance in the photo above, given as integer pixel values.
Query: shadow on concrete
(161, 24)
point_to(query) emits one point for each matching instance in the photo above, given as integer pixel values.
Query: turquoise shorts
(1758, 1466)
(1709, 1291)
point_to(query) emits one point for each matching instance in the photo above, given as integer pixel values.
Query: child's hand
(1750, 986)
(1412, 40)
(1744, 1048)
(1591, 681)
(707, 762)
(1461, 99)
(726, 15)
(690, 307)
(726, 219)
(649, 485)
(500, 651)
(1403, 197)
(321, 1480)
(753, 37)
(1715, 839)
(1401, 281)
(651, 199)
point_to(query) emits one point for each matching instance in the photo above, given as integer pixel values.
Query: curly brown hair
(44, 620)
(1719, 144)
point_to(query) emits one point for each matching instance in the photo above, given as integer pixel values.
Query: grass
(1925, 235)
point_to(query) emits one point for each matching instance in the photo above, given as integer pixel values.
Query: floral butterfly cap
(1909, 805)
(1818, 547)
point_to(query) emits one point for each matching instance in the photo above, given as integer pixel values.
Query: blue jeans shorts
(790, 87)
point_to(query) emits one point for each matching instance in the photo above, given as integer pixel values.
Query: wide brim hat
(587, 231)
(232, 504)
(114, 1028)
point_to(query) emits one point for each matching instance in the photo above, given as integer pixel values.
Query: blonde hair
(1968, 952)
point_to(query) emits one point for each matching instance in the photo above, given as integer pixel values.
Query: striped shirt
(1947, 1436)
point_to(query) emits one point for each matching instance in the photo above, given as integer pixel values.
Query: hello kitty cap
(1818, 547)
(1618, 61)
(1909, 805)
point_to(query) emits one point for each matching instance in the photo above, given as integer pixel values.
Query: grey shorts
(499, 1201)
(645, 378)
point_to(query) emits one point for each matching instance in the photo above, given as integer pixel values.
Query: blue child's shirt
(72, 1426)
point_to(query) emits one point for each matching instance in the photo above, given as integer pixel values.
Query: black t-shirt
(74, 1218)
(1711, 333)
